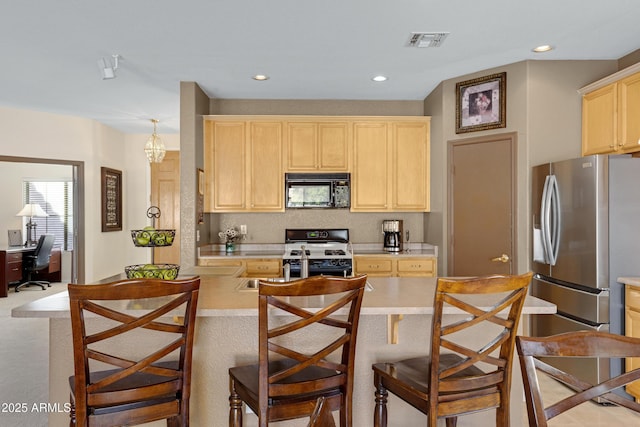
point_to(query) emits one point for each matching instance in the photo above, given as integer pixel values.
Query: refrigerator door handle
(550, 219)
(554, 220)
(544, 221)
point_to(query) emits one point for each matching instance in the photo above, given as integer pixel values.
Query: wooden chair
(573, 344)
(154, 387)
(286, 382)
(321, 416)
(456, 379)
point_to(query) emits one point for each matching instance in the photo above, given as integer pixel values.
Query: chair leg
(235, 406)
(31, 282)
(72, 413)
(451, 421)
(380, 410)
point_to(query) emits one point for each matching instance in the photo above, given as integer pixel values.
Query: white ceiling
(323, 49)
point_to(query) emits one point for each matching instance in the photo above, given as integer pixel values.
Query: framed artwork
(111, 199)
(481, 103)
(200, 201)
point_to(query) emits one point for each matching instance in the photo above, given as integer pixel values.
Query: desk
(11, 267)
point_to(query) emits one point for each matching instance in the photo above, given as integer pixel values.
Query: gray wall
(543, 108)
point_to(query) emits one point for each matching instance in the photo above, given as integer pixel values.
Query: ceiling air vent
(426, 39)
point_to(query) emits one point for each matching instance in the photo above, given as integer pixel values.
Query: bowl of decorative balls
(150, 237)
(152, 271)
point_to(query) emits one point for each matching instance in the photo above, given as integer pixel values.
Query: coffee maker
(392, 230)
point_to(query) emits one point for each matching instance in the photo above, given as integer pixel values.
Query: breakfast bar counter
(227, 335)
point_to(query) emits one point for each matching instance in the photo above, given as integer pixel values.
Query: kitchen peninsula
(227, 335)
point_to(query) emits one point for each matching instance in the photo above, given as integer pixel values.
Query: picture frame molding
(497, 84)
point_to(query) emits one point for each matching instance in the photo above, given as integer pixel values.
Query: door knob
(501, 258)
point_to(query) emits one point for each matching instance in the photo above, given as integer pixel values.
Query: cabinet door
(302, 146)
(370, 174)
(225, 166)
(410, 166)
(317, 146)
(629, 112)
(599, 134)
(333, 146)
(266, 191)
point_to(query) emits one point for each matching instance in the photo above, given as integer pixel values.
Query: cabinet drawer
(54, 261)
(374, 266)
(264, 268)
(209, 262)
(415, 266)
(15, 257)
(14, 271)
(632, 298)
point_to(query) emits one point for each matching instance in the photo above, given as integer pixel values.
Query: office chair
(38, 261)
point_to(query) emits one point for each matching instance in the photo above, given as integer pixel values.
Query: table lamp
(30, 210)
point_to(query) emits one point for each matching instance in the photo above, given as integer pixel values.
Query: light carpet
(24, 361)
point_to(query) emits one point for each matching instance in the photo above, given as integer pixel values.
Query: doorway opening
(77, 273)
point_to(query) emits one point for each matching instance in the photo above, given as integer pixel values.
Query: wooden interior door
(165, 194)
(482, 206)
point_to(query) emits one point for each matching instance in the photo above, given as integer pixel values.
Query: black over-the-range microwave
(317, 190)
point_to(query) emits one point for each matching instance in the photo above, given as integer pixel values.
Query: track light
(108, 68)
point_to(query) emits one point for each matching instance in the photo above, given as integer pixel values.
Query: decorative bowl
(152, 271)
(152, 237)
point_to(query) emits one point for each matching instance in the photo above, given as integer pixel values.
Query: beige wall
(543, 108)
(51, 136)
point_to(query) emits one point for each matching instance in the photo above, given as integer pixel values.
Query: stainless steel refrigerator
(586, 234)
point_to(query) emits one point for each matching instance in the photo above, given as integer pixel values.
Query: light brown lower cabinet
(253, 267)
(394, 266)
(632, 329)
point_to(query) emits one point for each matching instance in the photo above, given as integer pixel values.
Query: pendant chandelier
(154, 147)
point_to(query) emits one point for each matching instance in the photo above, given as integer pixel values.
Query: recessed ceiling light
(260, 77)
(543, 48)
(379, 78)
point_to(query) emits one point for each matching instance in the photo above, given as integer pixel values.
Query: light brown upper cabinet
(390, 169)
(317, 146)
(243, 163)
(609, 113)
(246, 157)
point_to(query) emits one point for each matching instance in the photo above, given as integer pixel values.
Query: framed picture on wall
(481, 103)
(111, 199)
(200, 201)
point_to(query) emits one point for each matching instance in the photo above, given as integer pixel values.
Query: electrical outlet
(243, 229)
(197, 235)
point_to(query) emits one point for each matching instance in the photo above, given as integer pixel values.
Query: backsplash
(269, 227)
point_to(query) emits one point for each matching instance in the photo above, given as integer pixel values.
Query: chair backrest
(120, 309)
(490, 304)
(338, 301)
(573, 344)
(42, 253)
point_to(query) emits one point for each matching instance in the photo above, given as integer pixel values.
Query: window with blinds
(56, 199)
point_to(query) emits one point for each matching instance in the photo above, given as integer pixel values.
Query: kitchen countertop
(219, 296)
(633, 281)
(247, 250)
(227, 335)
